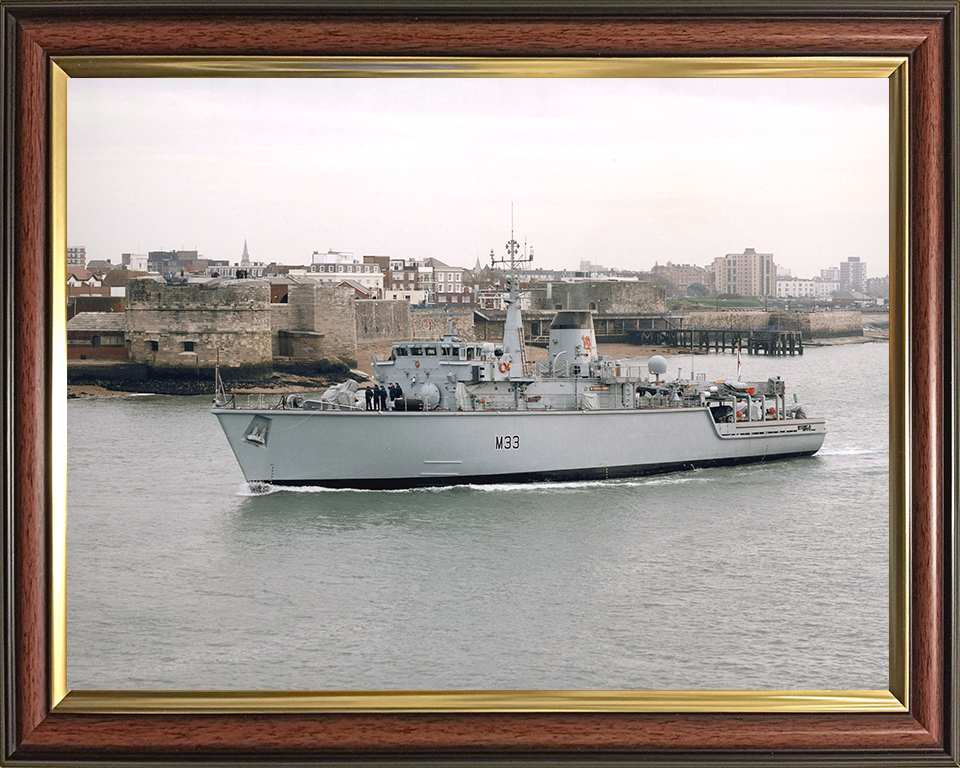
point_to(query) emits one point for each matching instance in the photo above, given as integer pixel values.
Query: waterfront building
(220, 269)
(405, 277)
(429, 282)
(78, 276)
(796, 288)
(413, 296)
(879, 287)
(97, 336)
(135, 262)
(830, 273)
(589, 269)
(82, 282)
(853, 299)
(332, 268)
(452, 285)
(853, 275)
(166, 262)
(825, 288)
(100, 267)
(682, 276)
(546, 275)
(746, 274)
(360, 291)
(77, 256)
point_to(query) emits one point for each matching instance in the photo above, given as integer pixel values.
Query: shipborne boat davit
(477, 412)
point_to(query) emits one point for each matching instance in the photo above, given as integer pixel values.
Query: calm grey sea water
(756, 577)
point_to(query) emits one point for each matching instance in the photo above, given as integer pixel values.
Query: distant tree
(696, 289)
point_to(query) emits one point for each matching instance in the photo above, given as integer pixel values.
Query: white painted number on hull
(508, 442)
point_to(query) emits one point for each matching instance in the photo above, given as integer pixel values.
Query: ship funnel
(572, 335)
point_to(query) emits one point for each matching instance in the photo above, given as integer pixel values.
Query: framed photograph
(911, 47)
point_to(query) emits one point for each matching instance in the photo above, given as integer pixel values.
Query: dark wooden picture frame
(35, 33)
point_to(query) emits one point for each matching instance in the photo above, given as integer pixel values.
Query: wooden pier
(768, 342)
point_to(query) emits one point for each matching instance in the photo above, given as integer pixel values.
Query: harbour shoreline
(285, 382)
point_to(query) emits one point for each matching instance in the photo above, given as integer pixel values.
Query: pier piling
(753, 342)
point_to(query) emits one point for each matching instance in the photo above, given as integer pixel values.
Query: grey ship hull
(380, 450)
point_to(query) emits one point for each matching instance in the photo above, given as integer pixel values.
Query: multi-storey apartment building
(853, 274)
(747, 274)
(77, 256)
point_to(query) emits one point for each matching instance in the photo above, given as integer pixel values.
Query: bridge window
(416, 351)
(401, 351)
(431, 351)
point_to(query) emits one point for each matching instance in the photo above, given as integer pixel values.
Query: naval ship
(479, 412)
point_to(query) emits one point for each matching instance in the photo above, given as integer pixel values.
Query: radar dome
(657, 365)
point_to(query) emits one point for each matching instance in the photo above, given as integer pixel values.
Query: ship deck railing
(274, 401)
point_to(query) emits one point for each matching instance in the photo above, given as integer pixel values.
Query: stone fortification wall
(605, 296)
(825, 325)
(324, 321)
(329, 310)
(298, 347)
(177, 329)
(283, 317)
(728, 321)
(492, 329)
(432, 323)
(813, 325)
(379, 320)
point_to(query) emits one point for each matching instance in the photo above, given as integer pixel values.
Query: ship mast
(513, 326)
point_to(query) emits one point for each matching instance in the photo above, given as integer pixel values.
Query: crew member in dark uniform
(368, 396)
(383, 398)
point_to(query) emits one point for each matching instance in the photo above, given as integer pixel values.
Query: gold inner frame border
(894, 69)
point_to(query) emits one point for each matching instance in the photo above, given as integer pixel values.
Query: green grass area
(712, 302)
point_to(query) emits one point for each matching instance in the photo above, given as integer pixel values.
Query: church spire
(245, 259)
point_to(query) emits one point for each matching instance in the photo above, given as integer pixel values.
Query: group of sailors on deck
(376, 396)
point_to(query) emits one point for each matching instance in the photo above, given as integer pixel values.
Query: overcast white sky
(620, 172)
